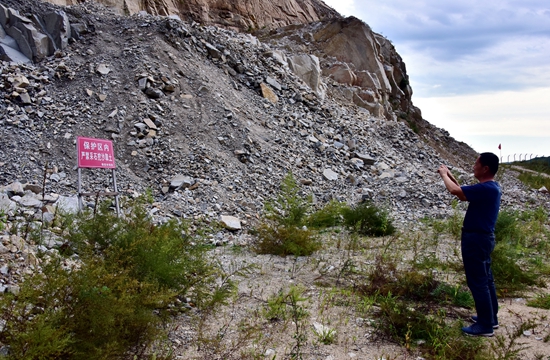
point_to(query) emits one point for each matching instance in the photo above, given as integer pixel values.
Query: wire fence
(507, 159)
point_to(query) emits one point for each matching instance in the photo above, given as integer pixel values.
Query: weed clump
(328, 216)
(515, 235)
(283, 230)
(284, 241)
(535, 181)
(541, 301)
(367, 219)
(290, 306)
(386, 279)
(426, 329)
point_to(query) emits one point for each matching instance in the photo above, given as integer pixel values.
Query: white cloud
(465, 47)
(519, 119)
(479, 69)
(510, 113)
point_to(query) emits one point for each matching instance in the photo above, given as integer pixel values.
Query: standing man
(478, 239)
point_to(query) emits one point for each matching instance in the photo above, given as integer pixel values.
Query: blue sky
(479, 69)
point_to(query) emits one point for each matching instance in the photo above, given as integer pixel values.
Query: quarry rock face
(365, 65)
(24, 39)
(239, 14)
(366, 60)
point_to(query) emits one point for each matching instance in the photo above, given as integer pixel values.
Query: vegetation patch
(541, 301)
(368, 219)
(108, 295)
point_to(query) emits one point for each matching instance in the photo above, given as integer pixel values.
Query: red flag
(499, 146)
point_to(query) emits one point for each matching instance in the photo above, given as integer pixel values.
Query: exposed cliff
(238, 15)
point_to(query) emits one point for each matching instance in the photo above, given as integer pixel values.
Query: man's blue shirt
(484, 202)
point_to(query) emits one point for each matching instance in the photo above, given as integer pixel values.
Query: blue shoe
(474, 319)
(478, 330)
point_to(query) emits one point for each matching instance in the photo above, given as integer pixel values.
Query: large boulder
(341, 73)
(23, 39)
(352, 41)
(33, 44)
(307, 68)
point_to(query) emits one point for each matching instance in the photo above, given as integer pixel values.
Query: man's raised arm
(450, 182)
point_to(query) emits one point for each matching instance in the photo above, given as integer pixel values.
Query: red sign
(95, 153)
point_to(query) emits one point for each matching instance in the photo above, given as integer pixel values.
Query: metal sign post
(99, 154)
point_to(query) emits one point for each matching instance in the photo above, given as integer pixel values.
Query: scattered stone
(103, 69)
(270, 353)
(181, 181)
(230, 222)
(330, 175)
(154, 93)
(269, 94)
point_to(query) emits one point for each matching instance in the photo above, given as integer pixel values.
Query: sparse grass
(541, 301)
(509, 346)
(386, 278)
(290, 306)
(517, 235)
(417, 326)
(3, 220)
(456, 295)
(535, 181)
(325, 335)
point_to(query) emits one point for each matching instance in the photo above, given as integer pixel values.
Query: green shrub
(514, 233)
(510, 278)
(507, 228)
(3, 220)
(289, 208)
(284, 241)
(282, 232)
(367, 219)
(291, 306)
(408, 283)
(329, 215)
(456, 295)
(112, 302)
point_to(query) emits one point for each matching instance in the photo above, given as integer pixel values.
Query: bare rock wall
(237, 15)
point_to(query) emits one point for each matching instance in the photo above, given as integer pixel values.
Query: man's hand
(450, 182)
(443, 170)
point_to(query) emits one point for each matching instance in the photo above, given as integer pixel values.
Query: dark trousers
(476, 255)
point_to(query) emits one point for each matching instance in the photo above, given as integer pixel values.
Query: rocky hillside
(210, 120)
